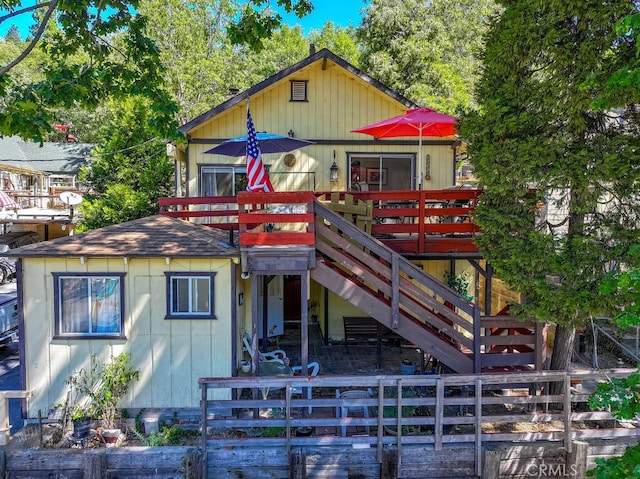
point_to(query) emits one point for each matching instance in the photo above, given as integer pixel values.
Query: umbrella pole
(420, 159)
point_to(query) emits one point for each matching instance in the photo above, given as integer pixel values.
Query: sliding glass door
(388, 171)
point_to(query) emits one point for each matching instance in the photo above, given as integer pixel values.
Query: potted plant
(459, 284)
(99, 390)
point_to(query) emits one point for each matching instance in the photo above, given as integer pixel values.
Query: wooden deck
(432, 223)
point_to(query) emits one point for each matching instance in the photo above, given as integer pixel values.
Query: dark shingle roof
(151, 237)
(51, 157)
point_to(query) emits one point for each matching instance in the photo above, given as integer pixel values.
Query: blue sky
(340, 12)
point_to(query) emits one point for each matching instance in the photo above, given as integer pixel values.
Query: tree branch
(23, 10)
(43, 24)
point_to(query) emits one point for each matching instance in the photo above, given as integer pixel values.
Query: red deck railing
(410, 222)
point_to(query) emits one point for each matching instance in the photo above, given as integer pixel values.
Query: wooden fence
(437, 411)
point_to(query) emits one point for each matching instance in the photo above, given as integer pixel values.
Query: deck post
(477, 340)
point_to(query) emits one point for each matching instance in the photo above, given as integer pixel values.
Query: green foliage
(97, 391)
(254, 26)
(427, 51)
(341, 41)
(93, 49)
(536, 141)
(626, 466)
(169, 436)
(620, 396)
(460, 284)
(130, 169)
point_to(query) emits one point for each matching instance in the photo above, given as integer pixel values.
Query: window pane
(105, 305)
(74, 305)
(180, 293)
(201, 296)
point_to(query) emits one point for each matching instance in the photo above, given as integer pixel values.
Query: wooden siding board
(339, 101)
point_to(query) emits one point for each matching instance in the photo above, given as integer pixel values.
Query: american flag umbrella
(7, 202)
(418, 122)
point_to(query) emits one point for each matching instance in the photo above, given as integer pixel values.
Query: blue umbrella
(268, 143)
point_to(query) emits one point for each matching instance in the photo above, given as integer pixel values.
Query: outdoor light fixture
(333, 172)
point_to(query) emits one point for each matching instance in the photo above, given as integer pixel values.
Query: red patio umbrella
(418, 122)
(7, 202)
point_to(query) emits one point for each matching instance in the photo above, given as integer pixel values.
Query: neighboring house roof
(153, 236)
(50, 158)
(324, 55)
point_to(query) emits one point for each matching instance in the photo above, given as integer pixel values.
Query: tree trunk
(562, 352)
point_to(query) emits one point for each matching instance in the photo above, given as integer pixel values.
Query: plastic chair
(312, 370)
(277, 355)
(343, 411)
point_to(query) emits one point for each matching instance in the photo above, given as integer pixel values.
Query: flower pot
(245, 366)
(111, 436)
(81, 427)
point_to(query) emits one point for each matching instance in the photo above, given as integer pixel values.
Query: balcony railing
(410, 222)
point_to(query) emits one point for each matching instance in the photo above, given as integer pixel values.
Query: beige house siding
(170, 354)
(338, 102)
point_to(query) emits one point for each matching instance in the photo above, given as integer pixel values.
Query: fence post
(491, 465)
(193, 461)
(298, 465)
(577, 460)
(439, 414)
(389, 465)
(95, 464)
(567, 412)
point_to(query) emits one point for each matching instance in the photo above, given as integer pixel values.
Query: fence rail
(429, 409)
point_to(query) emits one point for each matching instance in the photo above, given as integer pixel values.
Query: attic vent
(298, 90)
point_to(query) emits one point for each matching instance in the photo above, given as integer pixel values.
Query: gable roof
(51, 157)
(323, 55)
(156, 236)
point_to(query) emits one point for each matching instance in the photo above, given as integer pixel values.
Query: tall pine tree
(538, 141)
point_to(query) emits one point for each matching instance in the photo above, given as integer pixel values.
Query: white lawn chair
(278, 355)
(312, 370)
(346, 408)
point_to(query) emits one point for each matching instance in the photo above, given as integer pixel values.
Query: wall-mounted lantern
(333, 172)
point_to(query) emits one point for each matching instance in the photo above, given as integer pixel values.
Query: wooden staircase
(336, 245)
(394, 291)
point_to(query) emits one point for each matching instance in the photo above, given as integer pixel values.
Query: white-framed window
(89, 305)
(190, 295)
(222, 180)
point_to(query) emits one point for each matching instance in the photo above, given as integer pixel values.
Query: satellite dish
(71, 198)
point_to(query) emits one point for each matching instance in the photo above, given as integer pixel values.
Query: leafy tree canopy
(102, 48)
(428, 51)
(130, 169)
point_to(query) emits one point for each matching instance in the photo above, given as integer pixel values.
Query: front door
(292, 303)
